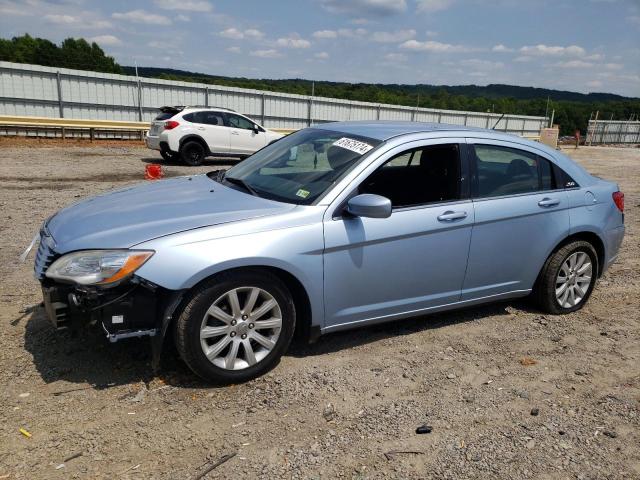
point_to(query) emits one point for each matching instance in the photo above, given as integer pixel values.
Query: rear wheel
(236, 326)
(568, 278)
(192, 153)
(168, 156)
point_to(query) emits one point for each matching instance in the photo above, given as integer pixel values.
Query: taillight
(618, 199)
(169, 124)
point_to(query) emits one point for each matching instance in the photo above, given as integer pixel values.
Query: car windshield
(302, 166)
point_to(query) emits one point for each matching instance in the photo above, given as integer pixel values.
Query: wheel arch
(195, 138)
(587, 236)
(304, 330)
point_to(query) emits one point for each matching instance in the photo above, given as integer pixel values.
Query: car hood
(126, 217)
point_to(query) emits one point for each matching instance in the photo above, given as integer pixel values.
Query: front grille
(44, 256)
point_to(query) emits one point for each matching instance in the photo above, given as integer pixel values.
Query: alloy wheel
(240, 328)
(573, 279)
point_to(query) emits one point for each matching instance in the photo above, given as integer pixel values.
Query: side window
(211, 118)
(236, 121)
(418, 177)
(507, 171)
(547, 178)
(204, 118)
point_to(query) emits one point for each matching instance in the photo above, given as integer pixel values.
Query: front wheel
(236, 326)
(568, 278)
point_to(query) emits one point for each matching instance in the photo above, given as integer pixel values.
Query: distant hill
(492, 91)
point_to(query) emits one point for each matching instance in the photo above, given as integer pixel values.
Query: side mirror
(369, 205)
(256, 128)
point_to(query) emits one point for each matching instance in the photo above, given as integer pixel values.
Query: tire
(168, 156)
(549, 293)
(222, 335)
(192, 153)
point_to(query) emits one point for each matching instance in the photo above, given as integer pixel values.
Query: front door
(377, 269)
(245, 140)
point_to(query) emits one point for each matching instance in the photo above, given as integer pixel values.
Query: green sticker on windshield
(302, 193)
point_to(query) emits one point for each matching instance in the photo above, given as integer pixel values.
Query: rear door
(521, 213)
(244, 137)
(210, 126)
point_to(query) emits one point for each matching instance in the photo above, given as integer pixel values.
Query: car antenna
(496, 124)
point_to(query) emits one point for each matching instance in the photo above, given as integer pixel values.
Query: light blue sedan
(333, 227)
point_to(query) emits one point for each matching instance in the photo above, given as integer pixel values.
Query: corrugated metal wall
(611, 131)
(32, 90)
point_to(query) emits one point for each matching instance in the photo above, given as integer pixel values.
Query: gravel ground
(509, 393)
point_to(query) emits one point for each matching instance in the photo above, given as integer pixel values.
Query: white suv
(192, 133)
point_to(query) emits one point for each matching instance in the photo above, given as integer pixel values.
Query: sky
(576, 45)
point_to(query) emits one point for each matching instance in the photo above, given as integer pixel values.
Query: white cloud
(233, 33)
(253, 33)
(523, 59)
(236, 34)
(61, 19)
(293, 41)
(109, 40)
(429, 6)
(325, 34)
(480, 64)
(434, 47)
(80, 21)
(501, 48)
(321, 55)
(188, 5)
(269, 53)
(393, 37)
(594, 84)
(395, 57)
(431, 33)
(613, 66)
(141, 16)
(542, 50)
(574, 64)
(183, 18)
(350, 33)
(365, 7)
(234, 50)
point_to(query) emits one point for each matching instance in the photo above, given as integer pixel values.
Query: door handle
(450, 216)
(235, 133)
(201, 128)
(549, 202)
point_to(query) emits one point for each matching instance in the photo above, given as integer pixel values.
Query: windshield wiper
(242, 183)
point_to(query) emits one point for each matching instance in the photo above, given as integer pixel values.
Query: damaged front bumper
(132, 309)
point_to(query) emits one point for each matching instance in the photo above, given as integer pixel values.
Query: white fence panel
(34, 90)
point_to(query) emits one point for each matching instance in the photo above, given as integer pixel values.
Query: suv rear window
(164, 116)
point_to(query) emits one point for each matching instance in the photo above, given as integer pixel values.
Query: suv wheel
(192, 153)
(568, 278)
(167, 155)
(236, 327)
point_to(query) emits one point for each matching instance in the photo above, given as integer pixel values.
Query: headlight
(98, 267)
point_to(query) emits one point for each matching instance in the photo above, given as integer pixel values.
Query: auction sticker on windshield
(353, 145)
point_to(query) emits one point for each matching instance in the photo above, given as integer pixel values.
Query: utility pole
(546, 112)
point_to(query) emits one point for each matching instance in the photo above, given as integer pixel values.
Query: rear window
(164, 116)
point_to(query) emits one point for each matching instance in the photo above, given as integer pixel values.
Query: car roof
(384, 130)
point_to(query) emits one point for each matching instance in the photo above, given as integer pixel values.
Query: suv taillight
(618, 199)
(169, 124)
